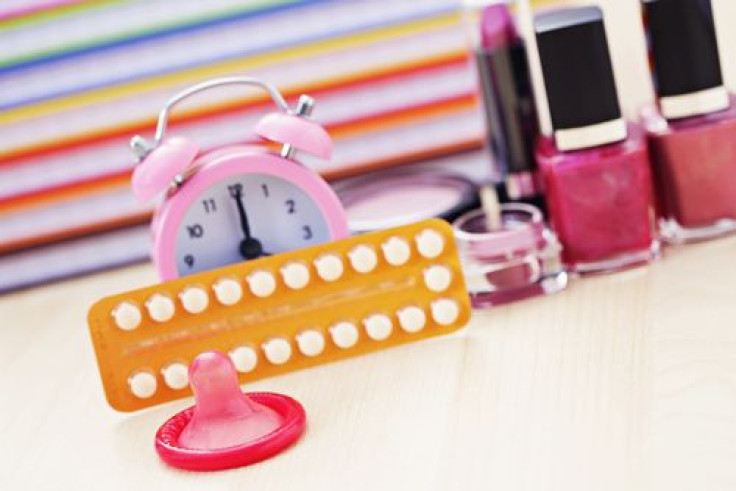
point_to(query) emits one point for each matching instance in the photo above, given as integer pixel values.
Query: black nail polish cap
(682, 37)
(578, 73)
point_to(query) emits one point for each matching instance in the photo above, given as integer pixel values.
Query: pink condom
(227, 428)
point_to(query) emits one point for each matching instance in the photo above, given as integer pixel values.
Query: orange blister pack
(281, 313)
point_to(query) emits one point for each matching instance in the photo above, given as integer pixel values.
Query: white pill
(378, 327)
(228, 291)
(277, 351)
(430, 243)
(142, 384)
(437, 278)
(445, 311)
(160, 307)
(296, 275)
(396, 251)
(244, 358)
(329, 267)
(261, 283)
(412, 319)
(127, 316)
(176, 376)
(194, 300)
(311, 342)
(344, 334)
(363, 259)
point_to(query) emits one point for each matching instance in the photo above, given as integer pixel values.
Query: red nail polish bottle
(692, 132)
(595, 167)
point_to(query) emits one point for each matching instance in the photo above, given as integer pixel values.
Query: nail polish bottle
(595, 166)
(692, 131)
(508, 100)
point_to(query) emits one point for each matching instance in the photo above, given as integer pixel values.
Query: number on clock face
(246, 217)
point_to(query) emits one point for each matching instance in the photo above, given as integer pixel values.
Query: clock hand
(250, 247)
(237, 195)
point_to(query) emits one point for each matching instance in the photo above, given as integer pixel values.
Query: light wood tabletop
(623, 382)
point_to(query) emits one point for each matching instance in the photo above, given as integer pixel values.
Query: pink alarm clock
(237, 202)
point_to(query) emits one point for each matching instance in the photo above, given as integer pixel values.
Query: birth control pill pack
(281, 313)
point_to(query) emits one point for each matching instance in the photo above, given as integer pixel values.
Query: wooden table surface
(622, 382)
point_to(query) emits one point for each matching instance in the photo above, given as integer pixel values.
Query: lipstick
(508, 101)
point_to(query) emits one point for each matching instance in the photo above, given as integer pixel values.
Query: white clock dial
(246, 217)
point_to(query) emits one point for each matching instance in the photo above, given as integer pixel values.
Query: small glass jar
(518, 261)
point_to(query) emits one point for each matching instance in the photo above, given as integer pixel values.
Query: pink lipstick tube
(692, 130)
(519, 260)
(596, 166)
(507, 98)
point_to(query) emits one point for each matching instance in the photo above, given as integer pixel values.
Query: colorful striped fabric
(29, 12)
(82, 76)
(433, 16)
(68, 107)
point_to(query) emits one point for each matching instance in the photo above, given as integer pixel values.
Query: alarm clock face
(245, 217)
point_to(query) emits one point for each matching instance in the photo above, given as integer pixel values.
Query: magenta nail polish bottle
(692, 132)
(595, 167)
